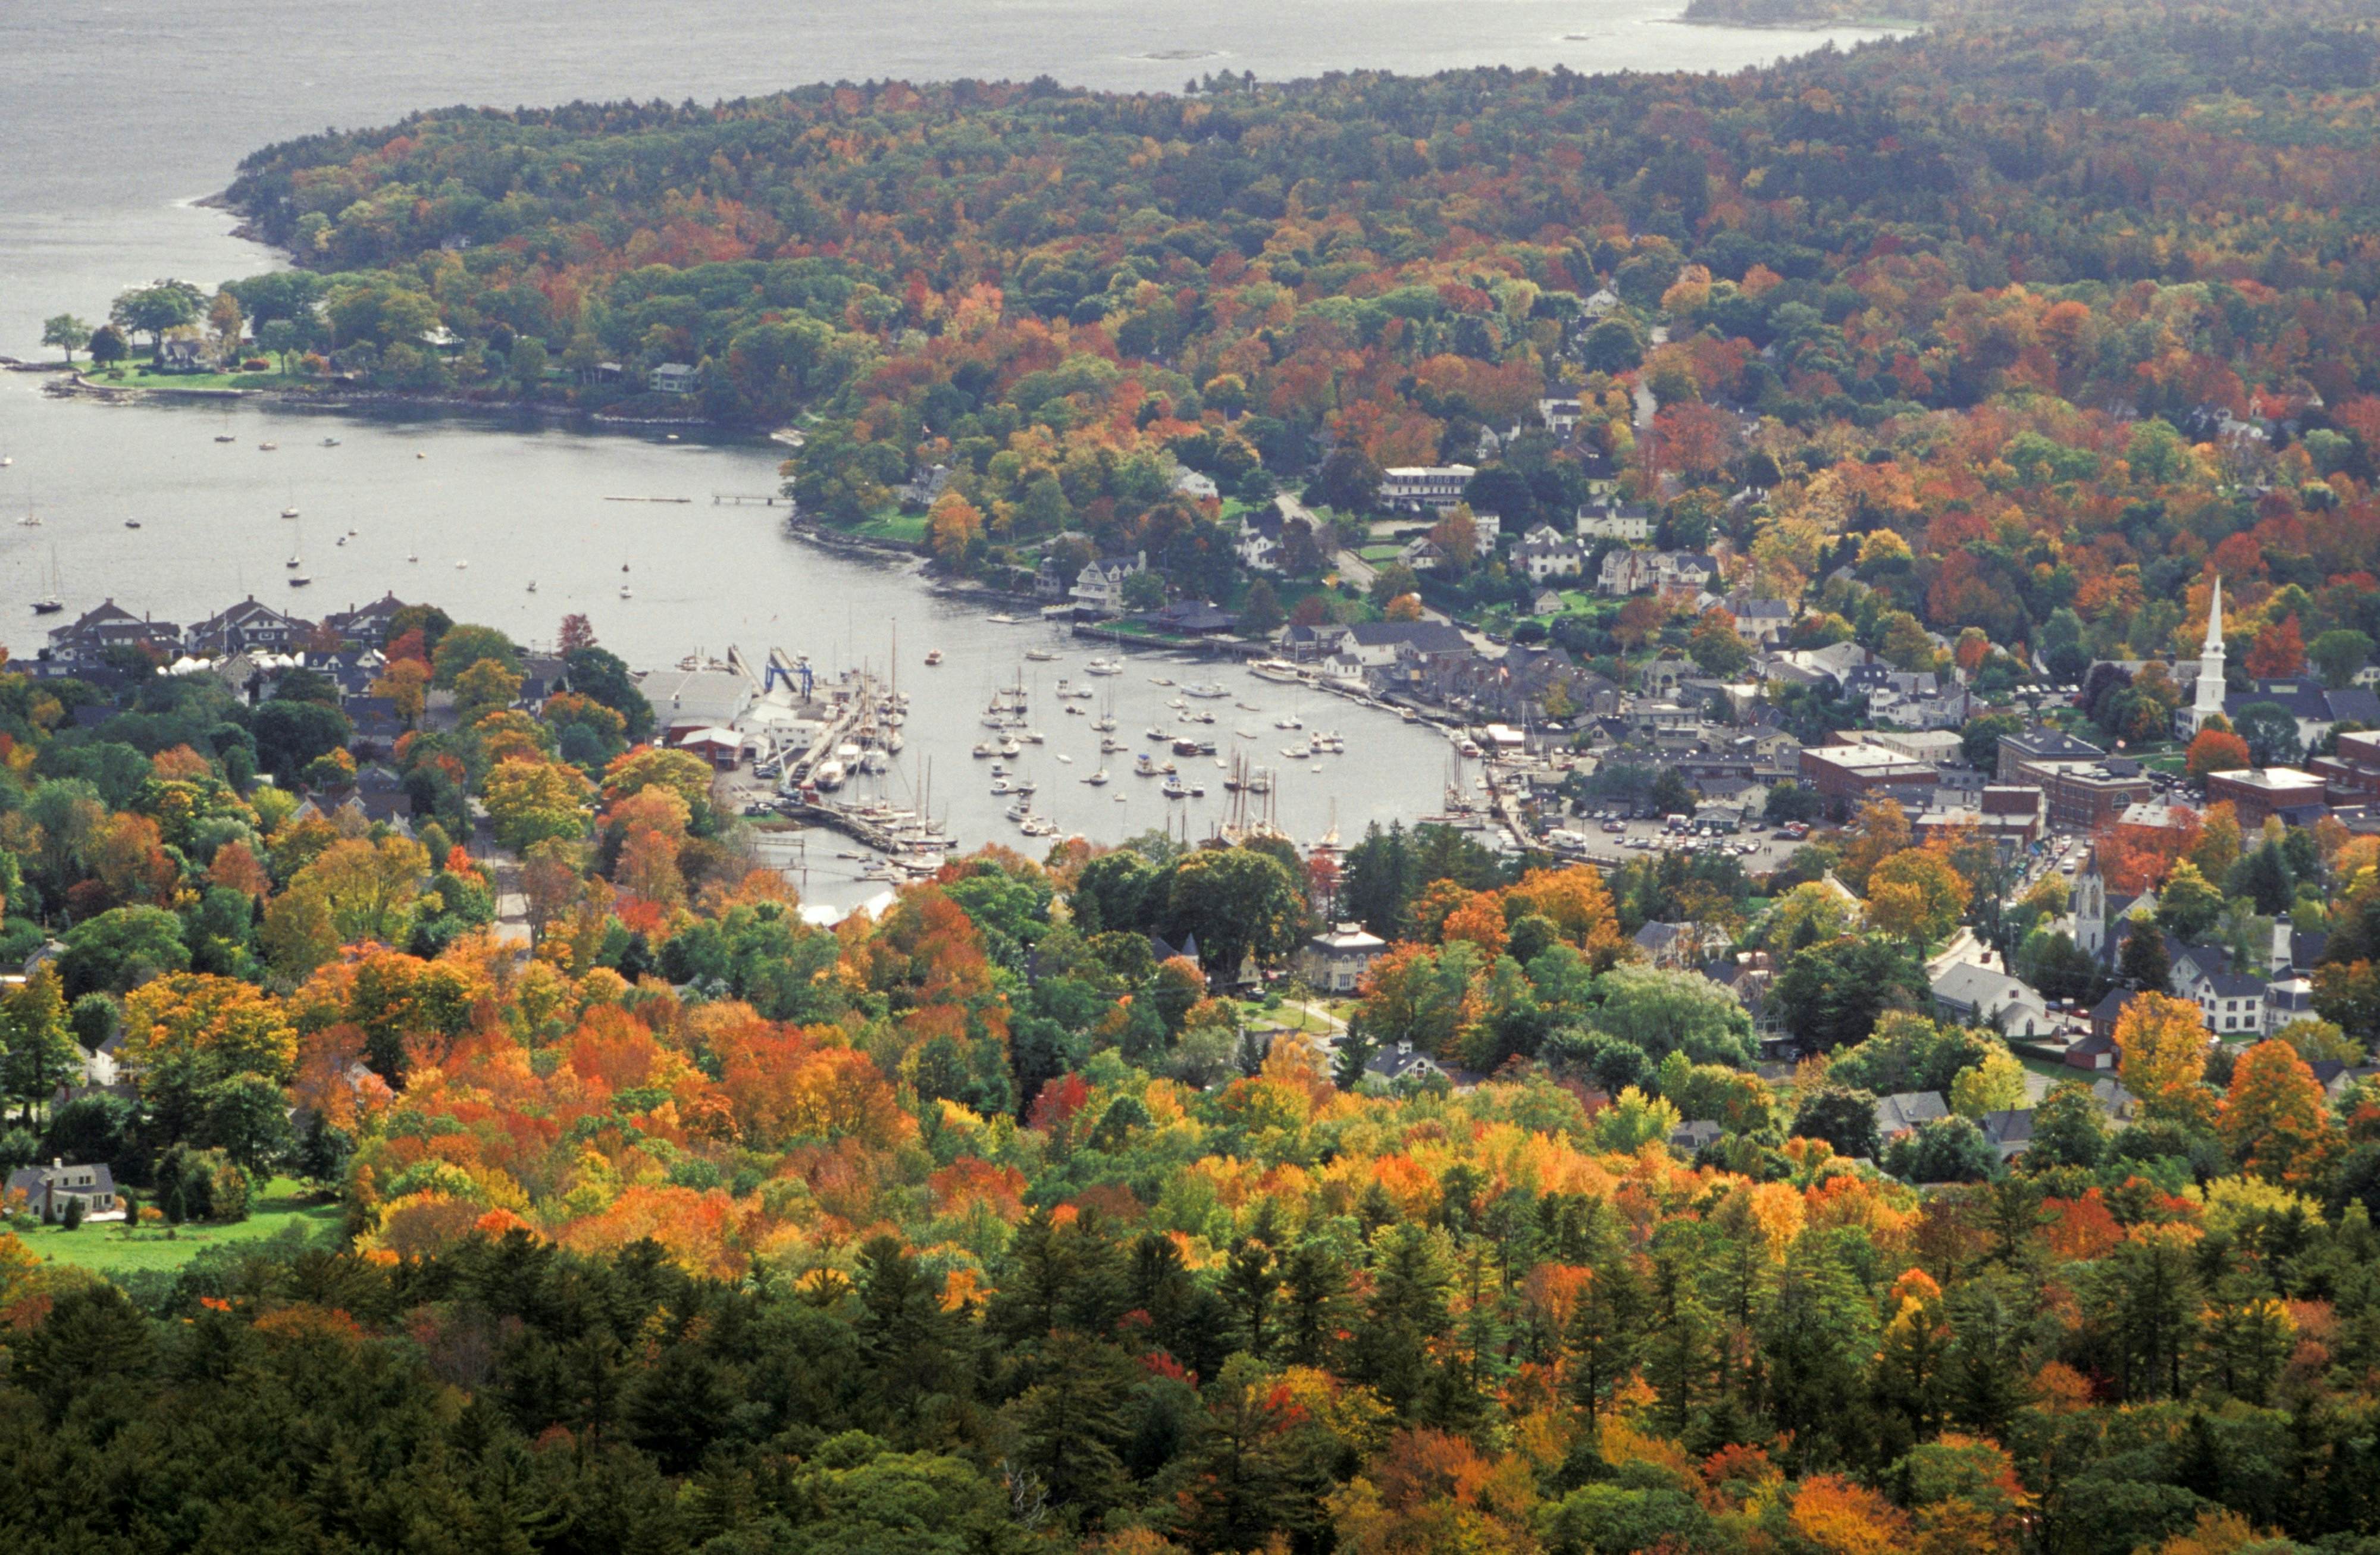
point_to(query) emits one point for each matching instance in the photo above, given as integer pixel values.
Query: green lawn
(139, 376)
(892, 524)
(107, 1248)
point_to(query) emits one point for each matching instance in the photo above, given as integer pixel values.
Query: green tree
(1843, 1117)
(1240, 902)
(108, 346)
(2339, 654)
(66, 332)
(155, 309)
(38, 1043)
(2142, 961)
(1070, 1422)
(2271, 730)
(1979, 742)
(2187, 904)
(1831, 993)
(121, 948)
(1664, 1012)
(464, 645)
(2068, 1129)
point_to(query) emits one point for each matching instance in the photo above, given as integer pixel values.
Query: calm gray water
(118, 116)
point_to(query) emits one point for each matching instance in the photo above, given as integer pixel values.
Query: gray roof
(1422, 636)
(1907, 1109)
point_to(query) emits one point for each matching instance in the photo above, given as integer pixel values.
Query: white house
(671, 378)
(1544, 552)
(1975, 995)
(1631, 524)
(1334, 961)
(1099, 588)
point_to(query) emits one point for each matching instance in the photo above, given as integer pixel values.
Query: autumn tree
(2275, 1118)
(1915, 896)
(2214, 750)
(2161, 1043)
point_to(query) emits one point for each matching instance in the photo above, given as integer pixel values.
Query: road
(1351, 568)
(1645, 839)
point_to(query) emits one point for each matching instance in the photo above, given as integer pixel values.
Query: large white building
(1435, 487)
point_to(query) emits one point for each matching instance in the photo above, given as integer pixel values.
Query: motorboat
(1174, 788)
(1159, 680)
(330, 442)
(1145, 766)
(1197, 789)
(933, 656)
(1010, 747)
(1001, 785)
(1104, 723)
(1105, 666)
(1212, 690)
(132, 523)
(266, 447)
(1157, 734)
(982, 750)
(1020, 809)
(1110, 745)
(1097, 779)
(1035, 736)
(828, 776)
(1039, 655)
(289, 513)
(300, 580)
(1334, 743)
(1003, 620)
(1288, 721)
(1066, 759)
(220, 437)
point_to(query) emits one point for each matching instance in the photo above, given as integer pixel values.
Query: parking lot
(1760, 849)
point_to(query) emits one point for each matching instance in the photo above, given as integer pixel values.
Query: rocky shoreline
(75, 385)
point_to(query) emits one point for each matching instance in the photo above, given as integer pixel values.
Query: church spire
(2215, 618)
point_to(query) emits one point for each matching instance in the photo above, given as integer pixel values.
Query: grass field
(906, 527)
(104, 1248)
(139, 376)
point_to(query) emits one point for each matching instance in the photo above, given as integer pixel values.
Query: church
(2207, 701)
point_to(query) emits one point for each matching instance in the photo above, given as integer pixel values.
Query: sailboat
(298, 579)
(49, 604)
(32, 520)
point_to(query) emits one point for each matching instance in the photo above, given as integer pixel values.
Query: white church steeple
(2209, 701)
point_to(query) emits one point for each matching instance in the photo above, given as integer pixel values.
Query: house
(48, 1190)
(1630, 523)
(721, 747)
(1689, 1137)
(1099, 588)
(368, 624)
(1560, 416)
(1196, 487)
(1335, 961)
(1435, 487)
(1544, 552)
(1974, 995)
(1907, 1111)
(85, 642)
(671, 378)
(2227, 1002)
(182, 356)
(1257, 545)
(1759, 620)
(248, 626)
(2009, 1131)
(2113, 1098)
(1403, 1063)
(1679, 945)
(2104, 1016)
(1405, 652)
(1050, 581)
(1548, 602)
(1423, 554)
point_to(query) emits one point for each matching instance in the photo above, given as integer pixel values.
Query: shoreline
(75, 385)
